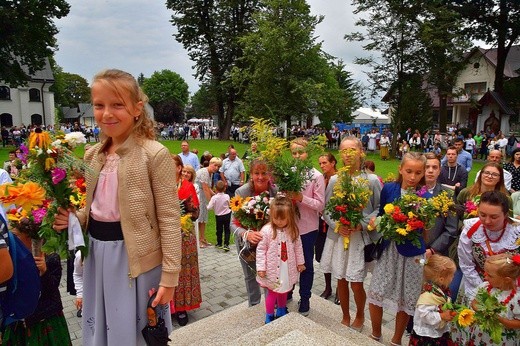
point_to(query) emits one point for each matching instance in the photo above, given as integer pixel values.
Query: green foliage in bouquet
(488, 308)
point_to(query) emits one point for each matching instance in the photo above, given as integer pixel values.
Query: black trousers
(223, 227)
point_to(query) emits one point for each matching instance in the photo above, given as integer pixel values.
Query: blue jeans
(307, 276)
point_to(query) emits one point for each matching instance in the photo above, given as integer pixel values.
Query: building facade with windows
(30, 104)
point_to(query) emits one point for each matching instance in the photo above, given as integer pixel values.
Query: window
(6, 119)
(5, 93)
(36, 119)
(34, 95)
(475, 88)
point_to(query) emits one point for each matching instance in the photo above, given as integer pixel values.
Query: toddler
(501, 274)
(220, 202)
(279, 256)
(430, 322)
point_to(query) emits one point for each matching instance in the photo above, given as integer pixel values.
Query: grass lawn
(217, 147)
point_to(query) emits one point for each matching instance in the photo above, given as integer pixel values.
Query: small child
(430, 322)
(220, 202)
(501, 273)
(279, 256)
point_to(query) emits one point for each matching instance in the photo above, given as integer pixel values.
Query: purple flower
(39, 214)
(58, 174)
(422, 191)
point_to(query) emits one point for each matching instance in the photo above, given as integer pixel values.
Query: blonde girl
(132, 217)
(394, 281)
(431, 326)
(279, 256)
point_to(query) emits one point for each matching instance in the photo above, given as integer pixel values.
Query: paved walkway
(222, 286)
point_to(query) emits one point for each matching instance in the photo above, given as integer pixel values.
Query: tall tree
(351, 98)
(27, 34)
(209, 30)
(443, 45)
(203, 102)
(75, 90)
(496, 22)
(168, 94)
(393, 37)
(287, 75)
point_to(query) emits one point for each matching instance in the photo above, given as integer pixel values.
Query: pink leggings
(273, 297)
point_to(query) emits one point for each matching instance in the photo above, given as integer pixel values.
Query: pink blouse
(105, 206)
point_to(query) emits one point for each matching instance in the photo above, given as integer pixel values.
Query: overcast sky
(136, 36)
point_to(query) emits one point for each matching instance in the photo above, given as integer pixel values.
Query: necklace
(455, 174)
(508, 298)
(488, 240)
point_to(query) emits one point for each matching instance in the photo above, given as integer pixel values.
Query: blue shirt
(464, 159)
(190, 159)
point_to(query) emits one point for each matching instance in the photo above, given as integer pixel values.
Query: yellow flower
(402, 231)
(411, 215)
(389, 208)
(49, 163)
(186, 223)
(340, 194)
(235, 203)
(517, 241)
(41, 140)
(466, 318)
(346, 241)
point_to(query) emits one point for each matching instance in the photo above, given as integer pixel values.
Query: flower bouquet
(405, 219)
(471, 208)
(350, 197)
(488, 308)
(463, 316)
(250, 213)
(52, 164)
(28, 209)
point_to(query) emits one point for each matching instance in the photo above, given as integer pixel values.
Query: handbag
(373, 251)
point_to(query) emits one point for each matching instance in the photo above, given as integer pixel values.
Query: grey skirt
(114, 306)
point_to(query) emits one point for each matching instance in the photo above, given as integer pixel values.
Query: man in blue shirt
(464, 158)
(187, 157)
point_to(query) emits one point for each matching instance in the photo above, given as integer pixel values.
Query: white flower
(56, 143)
(50, 151)
(39, 152)
(75, 138)
(293, 169)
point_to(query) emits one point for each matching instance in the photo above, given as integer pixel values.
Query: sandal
(376, 338)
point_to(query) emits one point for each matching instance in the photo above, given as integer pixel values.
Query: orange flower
(31, 194)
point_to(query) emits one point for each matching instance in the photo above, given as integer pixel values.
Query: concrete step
(307, 331)
(244, 325)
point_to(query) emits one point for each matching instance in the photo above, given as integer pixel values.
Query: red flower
(344, 221)
(341, 208)
(415, 224)
(398, 216)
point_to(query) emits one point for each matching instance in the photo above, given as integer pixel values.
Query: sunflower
(235, 203)
(466, 317)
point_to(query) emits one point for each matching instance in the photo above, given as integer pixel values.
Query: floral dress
(510, 337)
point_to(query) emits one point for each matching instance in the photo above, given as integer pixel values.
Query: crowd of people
(145, 230)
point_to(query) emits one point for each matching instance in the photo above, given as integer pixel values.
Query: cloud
(137, 37)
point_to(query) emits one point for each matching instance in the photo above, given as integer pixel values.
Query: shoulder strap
(473, 229)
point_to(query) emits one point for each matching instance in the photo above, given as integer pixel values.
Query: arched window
(5, 93)
(6, 120)
(34, 95)
(36, 119)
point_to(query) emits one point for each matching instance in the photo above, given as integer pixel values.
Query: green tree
(351, 98)
(496, 22)
(287, 75)
(203, 102)
(443, 47)
(141, 79)
(209, 30)
(76, 90)
(27, 33)
(393, 38)
(168, 94)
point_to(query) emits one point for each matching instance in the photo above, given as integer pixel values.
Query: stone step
(232, 324)
(302, 330)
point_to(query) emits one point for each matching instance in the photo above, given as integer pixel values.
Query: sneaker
(304, 307)
(225, 248)
(281, 312)
(79, 313)
(269, 318)
(218, 246)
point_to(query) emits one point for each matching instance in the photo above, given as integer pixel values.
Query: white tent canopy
(195, 120)
(368, 115)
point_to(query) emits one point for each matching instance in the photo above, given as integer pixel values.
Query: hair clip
(423, 261)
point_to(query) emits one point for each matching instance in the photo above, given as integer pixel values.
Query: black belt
(105, 231)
